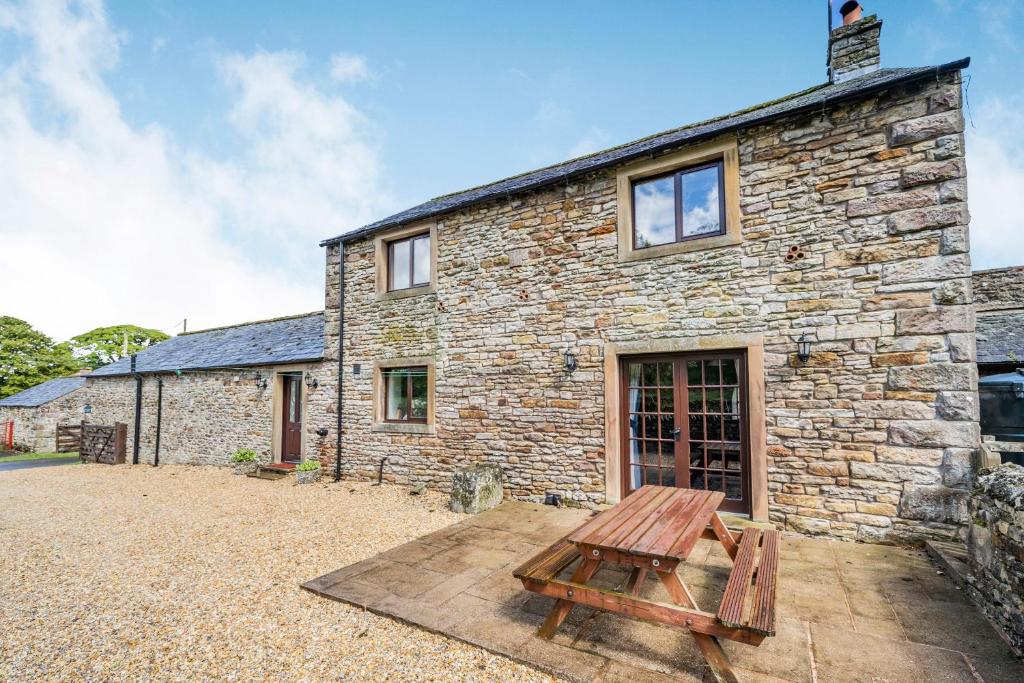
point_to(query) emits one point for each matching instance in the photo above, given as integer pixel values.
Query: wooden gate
(69, 438)
(103, 443)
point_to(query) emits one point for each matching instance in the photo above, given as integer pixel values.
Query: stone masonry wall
(35, 429)
(999, 289)
(206, 416)
(996, 545)
(871, 440)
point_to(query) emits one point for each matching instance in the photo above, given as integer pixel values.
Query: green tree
(104, 345)
(28, 357)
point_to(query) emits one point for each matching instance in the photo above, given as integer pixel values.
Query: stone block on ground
(476, 488)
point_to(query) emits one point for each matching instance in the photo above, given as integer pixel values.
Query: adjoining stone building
(636, 315)
(205, 394)
(36, 412)
(999, 302)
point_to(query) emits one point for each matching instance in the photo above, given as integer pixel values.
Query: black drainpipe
(138, 413)
(341, 355)
(159, 413)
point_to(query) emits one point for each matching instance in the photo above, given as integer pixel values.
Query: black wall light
(803, 348)
(260, 382)
(570, 362)
(311, 382)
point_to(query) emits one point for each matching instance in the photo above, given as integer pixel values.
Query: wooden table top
(655, 521)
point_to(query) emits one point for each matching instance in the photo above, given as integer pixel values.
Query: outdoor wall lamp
(260, 382)
(803, 348)
(570, 362)
(311, 382)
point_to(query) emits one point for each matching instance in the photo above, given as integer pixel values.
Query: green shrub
(244, 455)
(308, 466)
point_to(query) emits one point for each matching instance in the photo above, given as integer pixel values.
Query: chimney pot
(850, 11)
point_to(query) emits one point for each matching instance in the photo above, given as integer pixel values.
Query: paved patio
(846, 612)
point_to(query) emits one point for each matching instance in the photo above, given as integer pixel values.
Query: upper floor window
(682, 205)
(409, 262)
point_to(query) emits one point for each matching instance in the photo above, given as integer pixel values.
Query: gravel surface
(186, 573)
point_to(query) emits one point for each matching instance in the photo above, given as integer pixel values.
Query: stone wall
(996, 549)
(35, 429)
(870, 440)
(206, 416)
(999, 289)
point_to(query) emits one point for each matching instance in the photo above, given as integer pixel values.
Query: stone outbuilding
(999, 301)
(202, 395)
(36, 412)
(775, 303)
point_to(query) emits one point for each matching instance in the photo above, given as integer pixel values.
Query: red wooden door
(291, 424)
(684, 421)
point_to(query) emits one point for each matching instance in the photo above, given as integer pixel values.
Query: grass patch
(38, 456)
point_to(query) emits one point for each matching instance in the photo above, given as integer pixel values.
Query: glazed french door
(685, 424)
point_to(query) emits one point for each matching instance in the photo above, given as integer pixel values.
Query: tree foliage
(28, 357)
(104, 345)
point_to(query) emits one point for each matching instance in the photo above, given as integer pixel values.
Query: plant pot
(309, 477)
(245, 467)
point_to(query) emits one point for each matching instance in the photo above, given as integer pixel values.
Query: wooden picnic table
(654, 530)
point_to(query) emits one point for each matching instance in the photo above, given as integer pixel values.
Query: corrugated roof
(41, 394)
(267, 342)
(813, 98)
(1000, 337)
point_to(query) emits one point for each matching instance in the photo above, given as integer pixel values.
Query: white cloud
(347, 68)
(102, 222)
(594, 140)
(995, 173)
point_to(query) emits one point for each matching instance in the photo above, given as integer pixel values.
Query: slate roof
(41, 394)
(1000, 337)
(267, 342)
(807, 100)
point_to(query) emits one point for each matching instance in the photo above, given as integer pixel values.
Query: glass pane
(635, 370)
(714, 481)
(696, 427)
(715, 459)
(400, 265)
(700, 202)
(730, 373)
(651, 476)
(651, 426)
(654, 211)
(634, 451)
(711, 374)
(419, 394)
(714, 428)
(634, 426)
(732, 428)
(421, 260)
(668, 477)
(397, 399)
(634, 401)
(634, 477)
(696, 479)
(667, 401)
(713, 400)
(650, 374)
(293, 408)
(665, 374)
(697, 454)
(732, 457)
(733, 488)
(650, 400)
(696, 400)
(668, 424)
(693, 373)
(651, 456)
(732, 399)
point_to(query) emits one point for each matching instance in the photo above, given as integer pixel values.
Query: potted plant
(244, 460)
(308, 471)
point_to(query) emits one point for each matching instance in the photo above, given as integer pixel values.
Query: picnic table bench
(654, 530)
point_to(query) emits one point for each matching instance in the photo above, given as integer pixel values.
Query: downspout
(159, 413)
(341, 356)
(138, 413)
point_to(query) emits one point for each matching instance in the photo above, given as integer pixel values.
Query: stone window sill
(406, 293)
(726, 240)
(402, 428)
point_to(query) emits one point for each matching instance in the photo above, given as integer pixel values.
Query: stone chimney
(853, 47)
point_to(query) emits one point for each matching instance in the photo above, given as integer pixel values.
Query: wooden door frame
(295, 378)
(681, 408)
(277, 408)
(752, 344)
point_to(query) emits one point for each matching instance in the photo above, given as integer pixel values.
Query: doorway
(291, 418)
(684, 423)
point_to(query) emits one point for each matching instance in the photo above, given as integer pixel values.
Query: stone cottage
(202, 395)
(775, 303)
(36, 412)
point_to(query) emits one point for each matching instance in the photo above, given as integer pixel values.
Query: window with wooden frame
(406, 394)
(409, 262)
(686, 204)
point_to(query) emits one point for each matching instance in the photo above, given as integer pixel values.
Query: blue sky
(205, 148)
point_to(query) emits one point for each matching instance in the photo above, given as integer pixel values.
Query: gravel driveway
(188, 573)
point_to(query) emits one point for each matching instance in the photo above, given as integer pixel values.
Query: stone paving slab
(846, 612)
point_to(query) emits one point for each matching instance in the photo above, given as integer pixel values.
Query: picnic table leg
(709, 646)
(636, 581)
(724, 536)
(562, 607)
